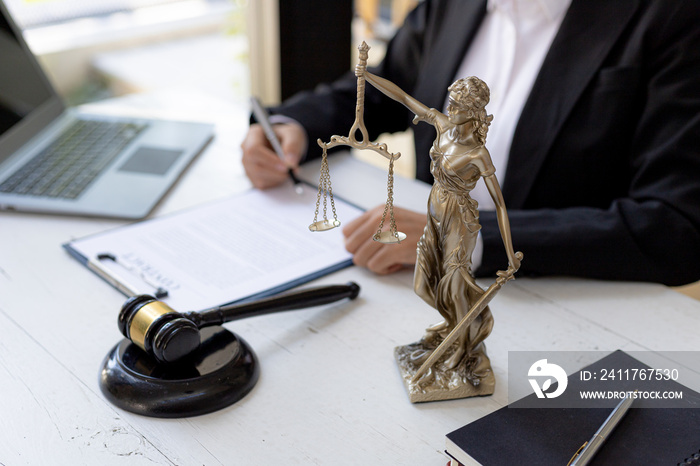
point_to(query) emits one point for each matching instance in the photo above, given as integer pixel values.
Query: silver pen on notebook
(590, 448)
(262, 118)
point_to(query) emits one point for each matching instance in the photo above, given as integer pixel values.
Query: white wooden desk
(329, 391)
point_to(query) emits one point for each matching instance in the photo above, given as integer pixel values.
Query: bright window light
(38, 13)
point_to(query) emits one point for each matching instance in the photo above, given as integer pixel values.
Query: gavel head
(159, 330)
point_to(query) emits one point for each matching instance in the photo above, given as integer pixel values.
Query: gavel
(170, 336)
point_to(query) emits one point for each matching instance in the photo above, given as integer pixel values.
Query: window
(37, 13)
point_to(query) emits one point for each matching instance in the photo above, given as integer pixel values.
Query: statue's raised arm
(393, 91)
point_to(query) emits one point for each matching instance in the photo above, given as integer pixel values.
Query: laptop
(59, 160)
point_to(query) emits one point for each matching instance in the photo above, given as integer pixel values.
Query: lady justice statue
(450, 361)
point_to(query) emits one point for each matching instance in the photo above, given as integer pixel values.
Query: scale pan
(323, 225)
(387, 237)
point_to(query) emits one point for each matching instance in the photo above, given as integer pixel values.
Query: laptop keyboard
(67, 166)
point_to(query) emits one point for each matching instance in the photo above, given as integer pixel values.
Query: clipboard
(241, 248)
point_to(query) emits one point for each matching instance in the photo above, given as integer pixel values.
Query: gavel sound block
(174, 365)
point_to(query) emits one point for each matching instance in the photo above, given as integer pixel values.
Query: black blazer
(603, 177)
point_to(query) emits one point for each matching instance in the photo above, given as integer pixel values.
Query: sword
(467, 319)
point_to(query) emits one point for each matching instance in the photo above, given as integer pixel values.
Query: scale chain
(389, 206)
(325, 191)
(390, 199)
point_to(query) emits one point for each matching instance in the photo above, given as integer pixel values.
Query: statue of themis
(450, 361)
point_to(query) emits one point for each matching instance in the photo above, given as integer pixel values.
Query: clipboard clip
(119, 282)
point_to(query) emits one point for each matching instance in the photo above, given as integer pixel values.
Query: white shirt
(507, 54)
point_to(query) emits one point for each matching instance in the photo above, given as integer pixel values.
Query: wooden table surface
(329, 391)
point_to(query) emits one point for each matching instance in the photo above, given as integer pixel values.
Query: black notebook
(551, 436)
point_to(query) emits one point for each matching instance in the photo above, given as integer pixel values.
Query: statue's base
(472, 377)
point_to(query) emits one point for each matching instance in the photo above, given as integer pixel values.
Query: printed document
(252, 244)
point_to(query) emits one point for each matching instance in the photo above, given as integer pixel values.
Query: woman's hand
(378, 257)
(262, 165)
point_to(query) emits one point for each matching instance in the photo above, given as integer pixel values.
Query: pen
(264, 120)
(584, 455)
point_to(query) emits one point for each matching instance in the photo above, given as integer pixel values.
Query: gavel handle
(309, 297)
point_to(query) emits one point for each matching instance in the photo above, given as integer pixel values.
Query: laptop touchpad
(151, 160)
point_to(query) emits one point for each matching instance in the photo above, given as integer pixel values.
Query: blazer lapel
(590, 28)
(448, 50)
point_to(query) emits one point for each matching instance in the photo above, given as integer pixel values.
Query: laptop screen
(26, 96)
